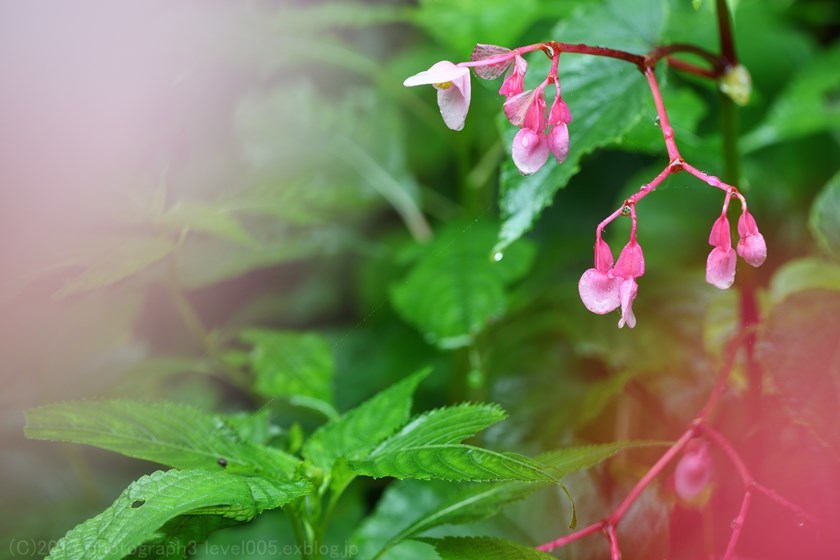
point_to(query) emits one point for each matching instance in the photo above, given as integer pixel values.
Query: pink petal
(603, 256)
(747, 225)
(530, 151)
(558, 142)
(493, 70)
(598, 291)
(559, 112)
(627, 291)
(753, 249)
(631, 261)
(720, 267)
(454, 102)
(693, 472)
(517, 106)
(535, 115)
(515, 81)
(440, 73)
(720, 235)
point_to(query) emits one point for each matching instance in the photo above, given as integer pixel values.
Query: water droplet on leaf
(498, 256)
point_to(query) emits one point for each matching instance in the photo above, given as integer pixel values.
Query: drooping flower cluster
(606, 287)
(542, 132)
(720, 266)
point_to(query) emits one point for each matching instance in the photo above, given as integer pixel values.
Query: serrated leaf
(453, 462)
(571, 459)
(447, 425)
(179, 536)
(484, 548)
(291, 364)
(606, 98)
(357, 432)
(825, 217)
(151, 501)
(808, 105)
(166, 433)
(114, 259)
(455, 289)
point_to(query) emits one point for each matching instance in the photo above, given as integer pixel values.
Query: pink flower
(720, 266)
(452, 83)
(751, 245)
(530, 151)
(605, 288)
(558, 142)
(518, 106)
(514, 82)
(693, 472)
(559, 111)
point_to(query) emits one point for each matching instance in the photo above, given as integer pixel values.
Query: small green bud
(736, 83)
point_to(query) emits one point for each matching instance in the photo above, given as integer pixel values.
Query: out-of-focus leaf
(799, 348)
(455, 289)
(216, 220)
(804, 274)
(116, 258)
(291, 364)
(166, 433)
(357, 432)
(179, 536)
(808, 105)
(460, 24)
(606, 98)
(151, 501)
(825, 213)
(484, 548)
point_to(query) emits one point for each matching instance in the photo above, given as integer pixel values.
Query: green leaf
(216, 220)
(572, 459)
(112, 259)
(799, 348)
(453, 462)
(357, 432)
(484, 548)
(460, 24)
(804, 274)
(151, 501)
(179, 536)
(292, 365)
(825, 217)
(808, 105)
(166, 433)
(606, 97)
(455, 289)
(447, 425)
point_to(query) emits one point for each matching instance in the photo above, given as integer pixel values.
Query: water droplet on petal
(498, 256)
(734, 524)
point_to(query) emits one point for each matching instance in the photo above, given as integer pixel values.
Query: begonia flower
(530, 151)
(693, 472)
(514, 82)
(452, 83)
(558, 142)
(751, 245)
(720, 265)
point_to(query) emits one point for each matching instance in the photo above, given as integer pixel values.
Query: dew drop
(525, 142)
(656, 122)
(497, 256)
(713, 182)
(625, 211)
(734, 524)
(800, 522)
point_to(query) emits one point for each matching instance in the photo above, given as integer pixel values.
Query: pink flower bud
(515, 80)
(535, 115)
(720, 267)
(530, 151)
(720, 235)
(751, 245)
(599, 291)
(693, 472)
(603, 256)
(558, 142)
(559, 112)
(631, 261)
